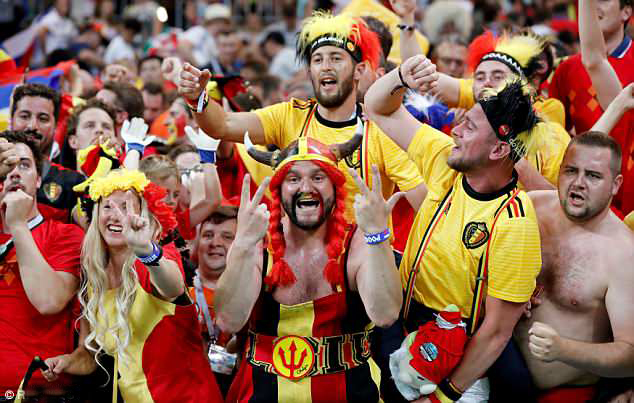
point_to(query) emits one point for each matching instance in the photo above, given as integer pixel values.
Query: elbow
(592, 62)
(229, 324)
(49, 307)
(384, 318)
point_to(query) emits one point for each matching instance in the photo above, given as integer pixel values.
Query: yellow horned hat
(342, 31)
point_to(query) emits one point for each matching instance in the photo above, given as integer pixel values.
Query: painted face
(110, 225)
(24, 175)
(586, 184)
(213, 244)
(308, 195)
(474, 139)
(36, 113)
(173, 187)
(451, 59)
(489, 74)
(93, 126)
(332, 75)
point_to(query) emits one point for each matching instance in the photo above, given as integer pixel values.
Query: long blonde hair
(94, 284)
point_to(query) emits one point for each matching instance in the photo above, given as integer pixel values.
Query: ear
(616, 184)
(39, 181)
(360, 69)
(626, 13)
(73, 142)
(500, 150)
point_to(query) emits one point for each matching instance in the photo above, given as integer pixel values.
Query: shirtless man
(583, 329)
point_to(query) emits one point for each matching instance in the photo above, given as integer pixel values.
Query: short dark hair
(26, 137)
(129, 98)
(275, 36)
(181, 149)
(35, 90)
(73, 119)
(268, 83)
(382, 31)
(600, 140)
(625, 3)
(132, 24)
(150, 57)
(153, 89)
(217, 218)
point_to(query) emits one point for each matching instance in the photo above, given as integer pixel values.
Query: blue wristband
(373, 239)
(153, 258)
(136, 146)
(207, 156)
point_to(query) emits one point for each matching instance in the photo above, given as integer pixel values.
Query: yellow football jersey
(285, 122)
(453, 228)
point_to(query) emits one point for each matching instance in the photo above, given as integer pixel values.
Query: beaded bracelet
(373, 239)
(153, 258)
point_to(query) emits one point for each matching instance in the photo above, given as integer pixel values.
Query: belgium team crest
(354, 160)
(475, 235)
(52, 191)
(293, 357)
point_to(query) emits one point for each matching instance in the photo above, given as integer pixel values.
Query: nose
(579, 181)
(305, 186)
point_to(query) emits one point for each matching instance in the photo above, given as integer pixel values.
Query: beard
(290, 207)
(589, 210)
(345, 88)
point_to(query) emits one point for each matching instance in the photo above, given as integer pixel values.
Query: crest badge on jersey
(52, 191)
(354, 159)
(475, 235)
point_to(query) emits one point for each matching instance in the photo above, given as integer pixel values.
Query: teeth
(115, 228)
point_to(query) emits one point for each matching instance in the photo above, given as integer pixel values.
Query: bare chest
(310, 282)
(573, 273)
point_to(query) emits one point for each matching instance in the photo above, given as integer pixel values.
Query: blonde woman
(134, 305)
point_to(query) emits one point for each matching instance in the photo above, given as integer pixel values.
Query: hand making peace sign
(136, 229)
(370, 208)
(253, 217)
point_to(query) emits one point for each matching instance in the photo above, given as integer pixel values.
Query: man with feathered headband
(475, 240)
(337, 50)
(312, 288)
(493, 60)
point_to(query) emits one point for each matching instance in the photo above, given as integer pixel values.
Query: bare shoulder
(544, 201)
(619, 241)
(356, 257)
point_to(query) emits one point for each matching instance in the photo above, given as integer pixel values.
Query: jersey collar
(337, 125)
(471, 192)
(623, 47)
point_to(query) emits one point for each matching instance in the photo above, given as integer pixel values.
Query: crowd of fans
(209, 179)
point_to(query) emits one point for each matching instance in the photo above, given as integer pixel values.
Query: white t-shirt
(284, 65)
(204, 45)
(61, 31)
(118, 49)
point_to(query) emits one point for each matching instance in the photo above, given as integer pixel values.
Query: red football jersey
(24, 332)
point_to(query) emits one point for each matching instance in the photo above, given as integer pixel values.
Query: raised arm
(623, 102)
(213, 120)
(204, 186)
(373, 272)
(384, 99)
(406, 10)
(48, 290)
(594, 54)
(240, 283)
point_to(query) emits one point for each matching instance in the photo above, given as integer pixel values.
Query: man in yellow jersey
(495, 59)
(337, 50)
(475, 240)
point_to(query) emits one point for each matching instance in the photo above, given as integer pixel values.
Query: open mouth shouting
(15, 186)
(328, 84)
(114, 228)
(307, 202)
(576, 199)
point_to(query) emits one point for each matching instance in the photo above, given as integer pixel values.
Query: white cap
(217, 11)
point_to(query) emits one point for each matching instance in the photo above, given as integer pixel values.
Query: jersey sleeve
(272, 119)
(514, 257)
(64, 251)
(554, 151)
(557, 90)
(429, 150)
(466, 99)
(398, 167)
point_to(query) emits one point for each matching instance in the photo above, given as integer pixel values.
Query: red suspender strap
(309, 117)
(483, 271)
(409, 290)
